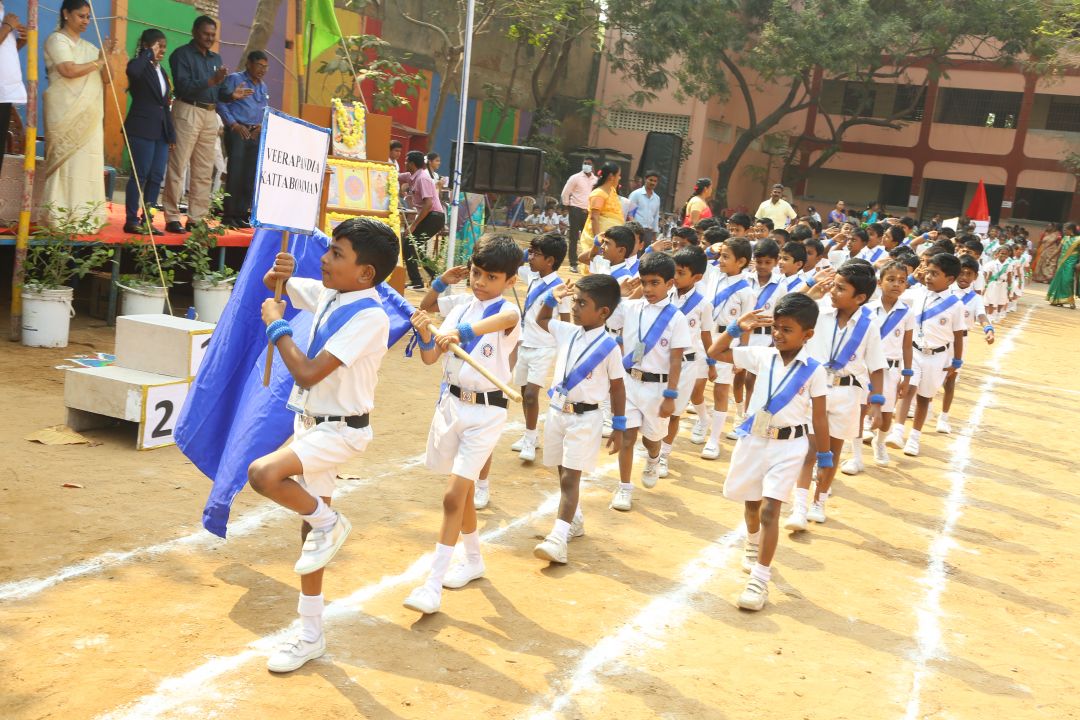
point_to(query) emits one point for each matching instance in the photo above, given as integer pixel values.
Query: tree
(262, 27)
(394, 85)
(715, 49)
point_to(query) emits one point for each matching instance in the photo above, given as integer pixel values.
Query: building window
(1063, 114)
(858, 99)
(895, 190)
(649, 122)
(909, 102)
(1042, 205)
(981, 108)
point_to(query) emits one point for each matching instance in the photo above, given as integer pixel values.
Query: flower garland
(350, 125)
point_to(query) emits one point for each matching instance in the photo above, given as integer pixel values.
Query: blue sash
(538, 292)
(766, 293)
(586, 366)
(938, 308)
(724, 295)
(336, 321)
(784, 394)
(968, 296)
(491, 310)
(692, 301)
(624, 271)
(857, 335)
(634, 267)
(796, 281)
(893, 319)
(653, 336)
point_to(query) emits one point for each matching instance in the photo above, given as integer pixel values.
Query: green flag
(323, 25)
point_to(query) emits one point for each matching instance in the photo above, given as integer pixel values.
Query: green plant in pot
(145, 290)
(212, 286)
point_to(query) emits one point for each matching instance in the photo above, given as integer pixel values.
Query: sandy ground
(940, 587)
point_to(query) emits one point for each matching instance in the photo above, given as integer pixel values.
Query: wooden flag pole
(471, 362)
(278, 289)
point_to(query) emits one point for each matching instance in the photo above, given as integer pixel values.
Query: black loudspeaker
(662, 153)
(494, 168)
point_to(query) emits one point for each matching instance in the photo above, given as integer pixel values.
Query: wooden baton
(278, 289)
(471, 362)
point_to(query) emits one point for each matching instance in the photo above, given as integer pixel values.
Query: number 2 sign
(160, 408)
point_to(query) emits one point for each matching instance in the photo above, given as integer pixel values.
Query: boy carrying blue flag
(333, 395)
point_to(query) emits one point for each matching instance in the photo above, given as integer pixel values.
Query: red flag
(979, 209)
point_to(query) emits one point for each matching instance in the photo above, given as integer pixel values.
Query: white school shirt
(790, 284)
(990, 269)
(699, 319)
(838, 257)
(893, 343)
(758, 361)
(871, 254)
(573, 341)
(756, 287)
(973, 308)
(359, 344)
(737, 305)
(829, 338)
(938, 330)
(635, 318)
(493, 351)
(531, 334)
(12, 88)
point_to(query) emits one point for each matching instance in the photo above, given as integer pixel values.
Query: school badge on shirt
(487, 351)
(663, 342)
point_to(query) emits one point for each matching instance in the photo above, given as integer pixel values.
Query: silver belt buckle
(774, 433)
(636, 374)
(567, 407)
(468, 396)
(307, 421)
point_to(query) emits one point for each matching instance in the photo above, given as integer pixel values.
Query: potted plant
(144, 292)
(55, 256)
(212, 287)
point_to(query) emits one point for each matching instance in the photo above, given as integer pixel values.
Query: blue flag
(229, 419)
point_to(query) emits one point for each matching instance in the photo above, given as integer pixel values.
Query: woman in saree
(697, 207)
(74, 118)
(605, 207)
(1062, 290)
(1046, 259)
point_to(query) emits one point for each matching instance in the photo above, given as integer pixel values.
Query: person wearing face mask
(149, 129)
(575, 197)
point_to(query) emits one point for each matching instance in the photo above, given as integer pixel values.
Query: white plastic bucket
(210, 299)
(47, 317)
(142, 300)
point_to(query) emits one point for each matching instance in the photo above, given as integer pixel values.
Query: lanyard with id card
(762, 421)
(581, 368)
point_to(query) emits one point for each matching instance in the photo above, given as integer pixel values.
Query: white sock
(665, 449)
(531, 434)
(439, 566)
(322, 518)
(717, 428)
(761, 572)
(856, 451)
(753, 538)
(561, 529)
(578, 516)
(802, 495)
(310, 608)
(823, 498)
(702, 412)
(943, 416)
(915, 434)
(626, 486)
(482, 483)
(881, 437)
(471, 541)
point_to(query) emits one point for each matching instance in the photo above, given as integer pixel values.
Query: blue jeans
(148, 161)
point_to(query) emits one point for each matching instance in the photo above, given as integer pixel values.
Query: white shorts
(725, 373)
(691, 373)
(572, 440)
(323, 449)
(930, 371)
(762, 467)
(643, 408)
(893, 378)
(845, 409)
(533, 365)
(462, 436)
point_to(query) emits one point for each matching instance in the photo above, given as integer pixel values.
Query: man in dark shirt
(198, 73)
(243, 127)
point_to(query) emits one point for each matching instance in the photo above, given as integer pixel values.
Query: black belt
(933, 351)
(642, 376)
(893, 363)
(787, 433)
(196, 103)
(577, 408)
(353, 421)
(846, 380)
(689, 357)
(965, 333)
(766, 330)
(495, 398)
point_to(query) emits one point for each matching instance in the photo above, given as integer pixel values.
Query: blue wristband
(438, 285)
(465, 332)
(671, 394)
(280, 333)
(596, 241)
(911, 280)
(877, 399)
(550, 301)
(957, 363)
(810, 282)
(907, 372)
(618, 422)
(734, 330)
(647, 250)
(710, 361)
(425, 345)
(825, 459)
(988, 329)
(277, 329)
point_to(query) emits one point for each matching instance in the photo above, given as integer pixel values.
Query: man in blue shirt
(243, 126)
(645, 207)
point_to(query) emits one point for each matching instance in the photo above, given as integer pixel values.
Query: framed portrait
(379, 187)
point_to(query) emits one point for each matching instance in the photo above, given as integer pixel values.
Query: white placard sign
(161, 408)
(289, 177)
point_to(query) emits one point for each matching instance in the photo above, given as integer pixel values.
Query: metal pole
(22, 238)
(463, 112)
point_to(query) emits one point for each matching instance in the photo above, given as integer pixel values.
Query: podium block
(96, 396)
(161, 344)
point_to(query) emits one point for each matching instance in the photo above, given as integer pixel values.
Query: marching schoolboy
(613, 254)
(897, 323)
(974, 316)
(788, 398)
(471, 410)
(588, 370)
(333, 395)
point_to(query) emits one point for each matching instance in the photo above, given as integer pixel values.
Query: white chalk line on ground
(182, 693)
(928, 612)
(645, 630)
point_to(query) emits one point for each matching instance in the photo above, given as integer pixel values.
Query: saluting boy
(333, 395)
(471, 410)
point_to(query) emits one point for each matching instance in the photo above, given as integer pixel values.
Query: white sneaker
(796, 521)
(481, 497)
(577, 528)
(661, 467)
(461, 574)
(321, 546)
(750, 556)
(425, 600)
(912, 447)
(867, 436)
(851, 466)
(881, 453)
(690, 410)
(816, 512)
(623, 498)
(651, 473)
(711, 451)
(292, 654)
(731, 434)
(552, 549)
(528, 450)
(943, 425)
(516, 447)
(754, 596)
(895, 438)
(699, 433)
(606, 432)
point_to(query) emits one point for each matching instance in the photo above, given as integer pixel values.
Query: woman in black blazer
(149, 127)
